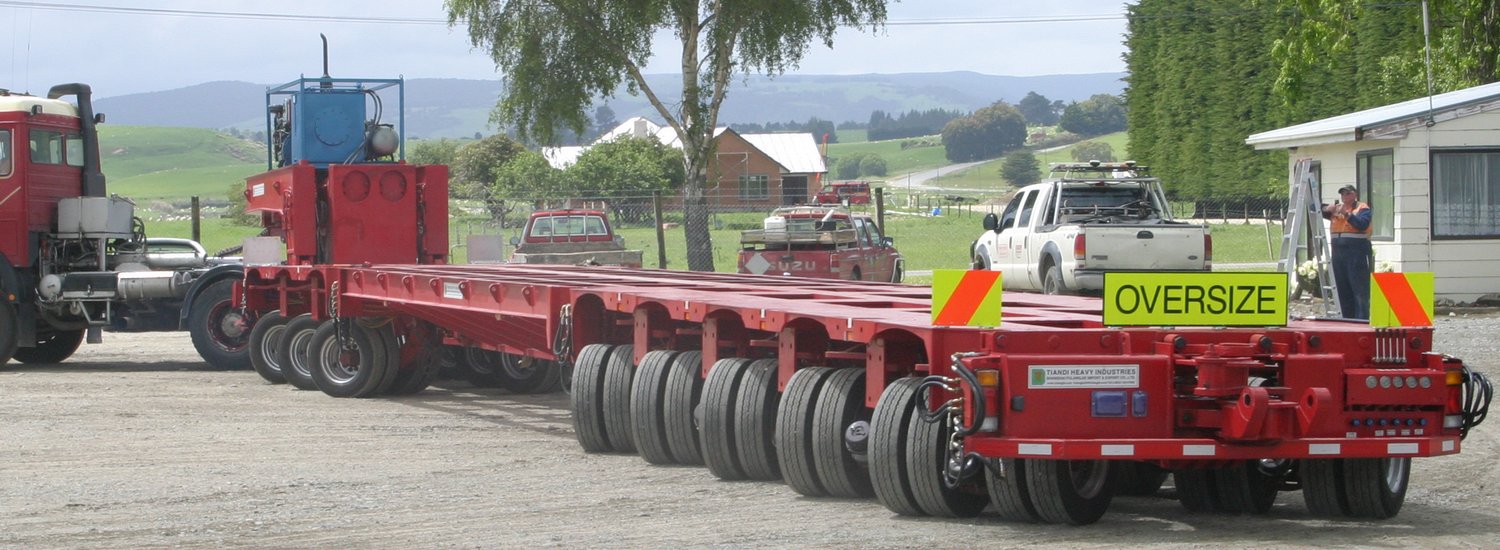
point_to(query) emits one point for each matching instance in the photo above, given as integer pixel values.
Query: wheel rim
(518, 368)
(340, 365)
(299, 348)
(229, 328)
(1088, 476)
(479, 360)
(1396, 470)
(268, 351)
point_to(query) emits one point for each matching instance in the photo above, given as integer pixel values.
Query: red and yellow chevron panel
(965, 298)
(1401, 299)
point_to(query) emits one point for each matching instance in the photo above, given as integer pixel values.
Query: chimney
(639, 132)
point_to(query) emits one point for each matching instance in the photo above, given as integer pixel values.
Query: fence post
(197, 217)
(661, 233)
(880, 210)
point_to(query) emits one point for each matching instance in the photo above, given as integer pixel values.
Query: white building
(1430, 170)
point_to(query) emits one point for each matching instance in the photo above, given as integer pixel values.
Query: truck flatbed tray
(760, 236)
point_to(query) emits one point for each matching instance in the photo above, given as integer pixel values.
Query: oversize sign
(1195, 299)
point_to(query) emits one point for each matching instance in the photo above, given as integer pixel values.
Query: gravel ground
(132, 444)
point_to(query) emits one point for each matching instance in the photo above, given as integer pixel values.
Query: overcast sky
(120, 53)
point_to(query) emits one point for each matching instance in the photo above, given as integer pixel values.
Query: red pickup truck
(820, 242)
(571, 236)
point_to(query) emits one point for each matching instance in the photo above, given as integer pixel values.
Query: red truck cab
(848, 192)
(820, 242)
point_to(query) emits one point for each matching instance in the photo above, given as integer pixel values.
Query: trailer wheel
(362, 369)
(619, 373)
(888, 439)
(452, 362)
(587, 397)
(294, 350)
(794, 430)
(482, 368)
(9, 328)
(755, 421)
(412, 379)
(1376, 487)
(717, 433)
(265, 337)
(1007, 488)
(927, 460)
(648, 395)
(684, 388)
(52, 346)
(1136, 479)
(1075, 492)
(1195, 490)
(220, 331)
(1323, 486)
(1245, 488)
(840, 408)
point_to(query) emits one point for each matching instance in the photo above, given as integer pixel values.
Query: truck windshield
(4, 153)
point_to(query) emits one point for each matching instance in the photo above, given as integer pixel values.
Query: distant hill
(459, 108)
(144, 162)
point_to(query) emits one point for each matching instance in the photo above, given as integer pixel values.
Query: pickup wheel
(855, 275)
(1052, 283)
(52, 346)
(9, 328)
(981, 262)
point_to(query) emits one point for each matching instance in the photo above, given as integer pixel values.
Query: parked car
(571, 236)
(846, 193)
(821, 242)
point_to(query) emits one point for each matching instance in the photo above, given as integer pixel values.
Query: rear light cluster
(1208, 251)
(1080, 249)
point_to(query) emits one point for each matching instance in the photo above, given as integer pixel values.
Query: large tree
(558, 56)
(986, 134)
(1037, 109)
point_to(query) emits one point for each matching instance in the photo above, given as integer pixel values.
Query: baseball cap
(1348, 188)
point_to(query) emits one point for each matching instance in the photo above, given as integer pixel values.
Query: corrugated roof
(1350, 127)
(797, 153)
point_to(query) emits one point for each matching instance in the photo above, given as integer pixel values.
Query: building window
(1466, 194)
(755, 187)
(1377, 188)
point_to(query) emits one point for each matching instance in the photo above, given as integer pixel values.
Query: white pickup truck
(1060, 236)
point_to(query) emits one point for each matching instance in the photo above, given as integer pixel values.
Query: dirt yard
(133, 444)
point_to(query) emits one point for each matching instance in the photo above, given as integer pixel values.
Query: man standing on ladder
(1353, 257)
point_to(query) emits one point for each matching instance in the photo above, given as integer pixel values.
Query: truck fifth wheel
(847, 388)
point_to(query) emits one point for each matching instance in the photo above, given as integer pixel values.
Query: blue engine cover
(328, 126)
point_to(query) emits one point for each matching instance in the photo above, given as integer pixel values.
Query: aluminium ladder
(1304, 236)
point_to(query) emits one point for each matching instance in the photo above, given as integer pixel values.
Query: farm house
(1430, 170)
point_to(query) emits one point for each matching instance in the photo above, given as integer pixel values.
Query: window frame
(1368, 194)
(7, 154)
(762, 181)
(1432, 192)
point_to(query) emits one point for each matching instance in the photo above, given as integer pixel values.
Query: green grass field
(144, 162)
(897, 160)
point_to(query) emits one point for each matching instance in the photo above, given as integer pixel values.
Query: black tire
(220, 330)
(452, 361)
(587, 398)
(52, 346)
(898, 272)
(1245, 488)
(525, 375)
(1076, 492)
(888, 433)
(9, 328)
(679, 410)
(1323, 486)
(981, 262)
(265, 338)
(294, 351)
(1376, 487)
(648, 394)
(1136, 479)
(1006, 484)
(855, 275)
(1195, 490)
(720, 391)
(364, 370)
(619, 373)
(1052, 281)
(794, 430)
(414, 376)
(926, 460)
(755, 421)
(841, 405)
(482, 367)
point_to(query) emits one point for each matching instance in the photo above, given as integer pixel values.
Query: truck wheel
(1323, 486)
(755, 421)
(888, 440)
(1076, 492)
(9, 328)
(587, 399)
(927, 461)
(619, 373)
(1195, 490)
(412, 378)
(648, 395)
(1376, 487)
(482, 368)
(1007, 488)
(684, 388)
(1053, 284)
(220, 331)
(52, 346)
(794, 430)
(1245, 488)
(362, 369)
(1136, 479)
(292, 351)
(841, 405)
(717, 429)
(265, 338)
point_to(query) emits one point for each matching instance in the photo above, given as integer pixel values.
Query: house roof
(796, 152)
(1384, 122)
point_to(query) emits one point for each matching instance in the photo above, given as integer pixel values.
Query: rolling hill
(145, 162)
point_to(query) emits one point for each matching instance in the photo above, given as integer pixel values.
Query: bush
(872, 165)
(847, 168)
(1021, 168)
(1093, 150)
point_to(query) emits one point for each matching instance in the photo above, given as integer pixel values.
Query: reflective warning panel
(1195, 299)
(965, 298)
(1401, 299)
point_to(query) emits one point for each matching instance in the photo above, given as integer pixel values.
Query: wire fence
(930, 230)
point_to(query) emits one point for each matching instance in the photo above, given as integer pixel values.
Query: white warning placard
(1049, 377)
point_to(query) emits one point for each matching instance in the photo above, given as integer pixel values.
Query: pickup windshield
(1101, 203)
(567, 226)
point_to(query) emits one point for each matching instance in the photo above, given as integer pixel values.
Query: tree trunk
(700, 246)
